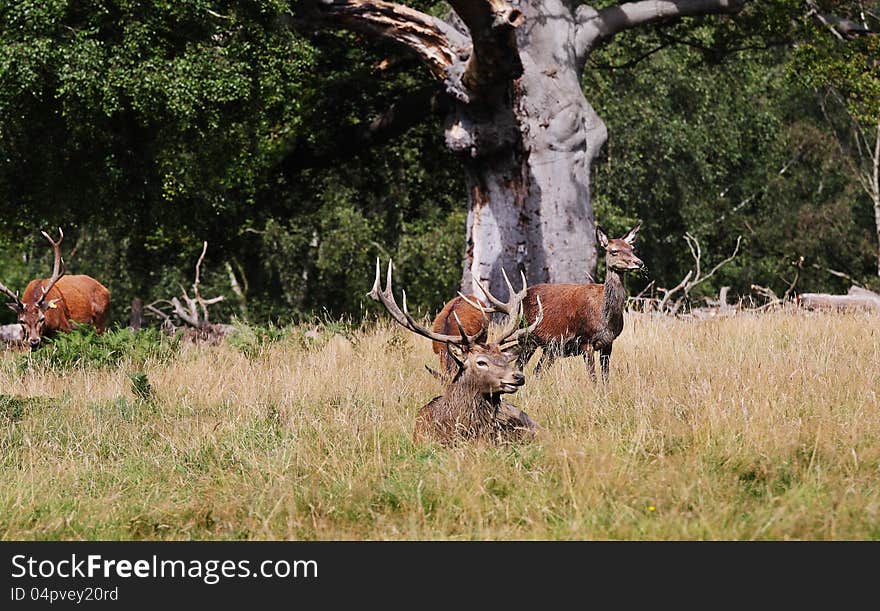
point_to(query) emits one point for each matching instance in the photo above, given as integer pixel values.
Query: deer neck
(467, 399)
(614, 298)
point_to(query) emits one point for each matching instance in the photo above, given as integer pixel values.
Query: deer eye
(613, 251)
(482, 363)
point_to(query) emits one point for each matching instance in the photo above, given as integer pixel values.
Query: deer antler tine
(403, 317)
(511, 292)
(522, 275)
(515, 311)
(478, 305)
(51, 241)
(496, 303)
(11, 294)
(483, 311)
(388, 277)
(58, 268)
(374, 293)
(464, 336)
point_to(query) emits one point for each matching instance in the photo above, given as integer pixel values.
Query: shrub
(83, 347)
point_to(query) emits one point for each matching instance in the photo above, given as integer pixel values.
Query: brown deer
(471, 406)
(582, 318)
(458, 310)
(49, 305)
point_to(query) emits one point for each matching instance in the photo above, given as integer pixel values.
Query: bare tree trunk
(529, 205)
(519, 120)
(136, 317)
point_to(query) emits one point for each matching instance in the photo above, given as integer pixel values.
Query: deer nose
(35, 343)
(519, 378)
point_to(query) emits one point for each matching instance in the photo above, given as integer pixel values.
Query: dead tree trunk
(518, 117)
(136, 317)
(856, 299)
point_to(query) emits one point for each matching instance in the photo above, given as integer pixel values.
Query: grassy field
(752, 427)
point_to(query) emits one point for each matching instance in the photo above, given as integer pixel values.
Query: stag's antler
(58, 269)
(12, 294)
(512, 307)
(403, 317)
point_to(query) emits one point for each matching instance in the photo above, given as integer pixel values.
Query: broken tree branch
(695, 276)
(596, 27)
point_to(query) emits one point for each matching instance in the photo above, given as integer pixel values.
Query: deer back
(80, 298)
(570, 310)
(471, 321)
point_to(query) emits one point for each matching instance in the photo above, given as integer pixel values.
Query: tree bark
(136, 315)
(519, 119)
(529, 202)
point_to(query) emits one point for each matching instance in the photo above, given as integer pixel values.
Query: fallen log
(856, 298)
(857, 291)
(11, 333)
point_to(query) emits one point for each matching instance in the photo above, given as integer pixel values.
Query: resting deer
(582, 318)
(49, 305)
(471, 406)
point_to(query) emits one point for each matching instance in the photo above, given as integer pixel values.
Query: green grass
(752, 427)
(83, 347)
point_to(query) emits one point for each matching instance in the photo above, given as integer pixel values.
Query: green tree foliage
(145, 128)
(719, 136)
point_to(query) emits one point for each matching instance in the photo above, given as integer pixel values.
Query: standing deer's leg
(547, 358)
(605, 361)
(587, 350)
(99, 324)
(526, 350)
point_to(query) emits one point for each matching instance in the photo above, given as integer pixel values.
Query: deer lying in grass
(582, 318)
(471, 406)
(49, 305)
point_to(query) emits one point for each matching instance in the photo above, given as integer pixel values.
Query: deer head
(487, 367)
(619, 253)
(32, 309)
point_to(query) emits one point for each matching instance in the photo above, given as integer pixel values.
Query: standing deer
(49, 305)
(471, 406)
(582, 318)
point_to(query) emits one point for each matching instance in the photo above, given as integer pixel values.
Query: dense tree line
(145, 128)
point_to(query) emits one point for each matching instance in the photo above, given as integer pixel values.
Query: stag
(471, 406)
(582, 318)
(50, 305)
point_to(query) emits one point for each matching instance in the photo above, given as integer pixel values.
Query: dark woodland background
(143, 129)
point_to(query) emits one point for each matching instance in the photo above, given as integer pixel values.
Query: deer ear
(601, 236)
(630, 237)
(51, 304)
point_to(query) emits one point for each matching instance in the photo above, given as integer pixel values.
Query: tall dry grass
(752, 427)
